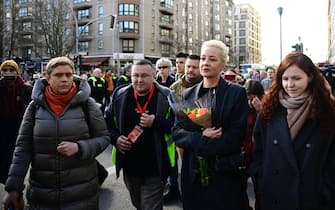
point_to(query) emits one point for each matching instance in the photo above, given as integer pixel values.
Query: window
(165, 33)
(129, 9)
(128, 26)
(242, 24)
(165, 18)
(242, 32)
(166, 3)
(242, 41)
(128, 46)
(100, 11)
(100, 44)
(165, 49)
(83, 46)
(26, 26)
(83, 30)
(101, 28)
(82, 14)
(25, 11)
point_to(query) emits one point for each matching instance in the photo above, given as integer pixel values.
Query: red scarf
(56, 102)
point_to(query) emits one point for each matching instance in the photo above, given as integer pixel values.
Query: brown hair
(323, 107)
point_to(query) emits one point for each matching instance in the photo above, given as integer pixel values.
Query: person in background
(163, 66)
(294, 140)
(15, 96)
(191, 77)
(232, 76)
(255, 92)
(108, 77)
(98, 88)
(270, 77)
(101, 96)
(262, 75)
(25, 76)
(180, 65)
(139, 119)
(210, 179)
(58, 142)
(124, 79)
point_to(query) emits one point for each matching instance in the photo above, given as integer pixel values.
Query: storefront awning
(94, 61)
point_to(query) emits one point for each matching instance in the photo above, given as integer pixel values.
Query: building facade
(200, 20)
(141, 29)
(247, 35)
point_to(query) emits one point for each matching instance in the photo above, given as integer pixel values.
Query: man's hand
(13, 198)
(123, 144)
(67, 148)
(147, 120)
(212, 132)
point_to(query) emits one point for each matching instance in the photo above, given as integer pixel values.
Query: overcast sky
(304, 18)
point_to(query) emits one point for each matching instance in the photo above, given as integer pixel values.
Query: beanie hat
(10, 63)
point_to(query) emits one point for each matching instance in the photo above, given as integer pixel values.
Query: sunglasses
(162, 67)
(10, 69)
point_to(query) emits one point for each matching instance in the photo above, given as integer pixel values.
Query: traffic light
(75, 60)
(113, 18)
(298, 47)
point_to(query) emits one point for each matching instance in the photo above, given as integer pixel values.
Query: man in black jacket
(14, 98)
(139, 119)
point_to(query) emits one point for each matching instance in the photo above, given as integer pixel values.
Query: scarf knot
(56, 102)
(298, 110)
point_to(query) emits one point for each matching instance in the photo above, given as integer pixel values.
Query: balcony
(166, 9)
(83, 20)
(85, 37)
(129, 35)
(166, 25)
(165, 40)
(82, 5)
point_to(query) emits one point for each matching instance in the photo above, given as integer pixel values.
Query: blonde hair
(58, 61)
(217, 44)
(164, 61)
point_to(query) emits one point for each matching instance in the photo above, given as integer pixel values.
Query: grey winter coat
(57, 181)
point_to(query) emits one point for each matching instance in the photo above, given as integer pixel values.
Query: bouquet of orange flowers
(193, 116)
(201, 116)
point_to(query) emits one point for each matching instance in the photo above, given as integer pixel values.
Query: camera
(328, 71)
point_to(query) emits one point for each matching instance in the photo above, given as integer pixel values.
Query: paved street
(113, 193)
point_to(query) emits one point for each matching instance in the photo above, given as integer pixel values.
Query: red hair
(323, 107)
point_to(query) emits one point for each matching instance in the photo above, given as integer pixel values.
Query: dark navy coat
(226, 188)
(294, 175)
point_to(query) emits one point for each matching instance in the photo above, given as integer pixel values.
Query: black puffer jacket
(56, 181)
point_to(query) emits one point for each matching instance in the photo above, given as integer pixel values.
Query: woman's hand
(67, 148)
(212, 132)
(256, 103)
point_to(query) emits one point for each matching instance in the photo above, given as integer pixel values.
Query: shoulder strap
(87, 116)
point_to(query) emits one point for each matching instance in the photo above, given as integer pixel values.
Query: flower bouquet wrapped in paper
(193, 116)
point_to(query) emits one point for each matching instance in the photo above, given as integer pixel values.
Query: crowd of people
(273, 127)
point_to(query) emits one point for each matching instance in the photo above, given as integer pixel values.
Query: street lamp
(280, 12)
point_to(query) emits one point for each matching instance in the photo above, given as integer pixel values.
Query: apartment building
(247, 35)
(143, 29)
(200, 20)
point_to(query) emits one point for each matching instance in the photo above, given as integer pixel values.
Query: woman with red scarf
(61, 134)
